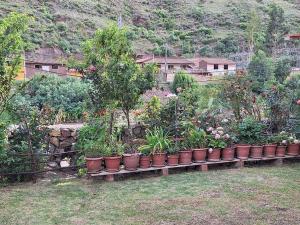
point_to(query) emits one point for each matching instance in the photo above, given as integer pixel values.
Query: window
(37, 66)
(55, 67)
(170, 67)
(216, 66)
(225, 67)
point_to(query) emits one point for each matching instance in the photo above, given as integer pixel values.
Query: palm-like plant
(157, 141)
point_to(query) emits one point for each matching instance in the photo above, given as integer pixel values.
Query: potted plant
(145, 160)
(248, 132)
(229, 150)
(196, 140)
(172, 155)
(293, 146)
(270, 147)
(90, 140)
(256, 150)
(157, 142)
(113, 155)
(93, 156)
(216, 142)
(131, 160)
(281, 140)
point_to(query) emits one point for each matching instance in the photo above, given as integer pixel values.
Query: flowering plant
(217, 137)
(281, 138)
(292, 139)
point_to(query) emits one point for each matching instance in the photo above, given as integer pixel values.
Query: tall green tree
(276, 28)
(12, 29)
(116, 78)
(254, 33)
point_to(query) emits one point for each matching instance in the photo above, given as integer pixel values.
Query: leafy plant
(114, 148)
(250, 131)
(196, 138)
(280, 138)
(217, 138)
(157, 141)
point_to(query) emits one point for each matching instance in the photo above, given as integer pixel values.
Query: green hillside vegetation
(206, 26)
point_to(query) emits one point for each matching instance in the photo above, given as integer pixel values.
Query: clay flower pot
(199, 154)
(172, 160)
(158, 159)
(242, 151)
(228, 154)
(144, 161)
(270, 150)
(185, 157)
(256, 151)
(280, 151)
(94, 165)
(293, 149)
(214, 155)
(131, 161)
(112, 163)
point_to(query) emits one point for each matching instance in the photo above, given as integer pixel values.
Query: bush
(250, 131)
(182, 81)
(68, 95)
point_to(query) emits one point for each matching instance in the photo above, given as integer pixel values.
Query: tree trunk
(111, 122)
(126, 112)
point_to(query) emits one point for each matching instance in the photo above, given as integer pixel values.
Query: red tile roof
(161, 60)
(213, 61)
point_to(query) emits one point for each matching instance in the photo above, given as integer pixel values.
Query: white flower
(226, 136)
(282, 132)
(225, 121)
(214, 132)
(220, 128)
(296, 141)
(284, 142)
(291, 138)
(217, 136)
(210, 150)
(210, 129)
(221, 132)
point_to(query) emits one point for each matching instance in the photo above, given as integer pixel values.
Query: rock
(65, 162)
(52, 148)
(67, 143)
(65, 133)
(73, 133)
(54, 133)
(54, 141)
(53, 164)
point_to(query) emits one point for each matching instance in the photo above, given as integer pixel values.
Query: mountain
(206, 26)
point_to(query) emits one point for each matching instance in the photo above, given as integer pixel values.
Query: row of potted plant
(197, 145)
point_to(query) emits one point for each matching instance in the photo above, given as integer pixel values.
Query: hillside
(206, 26)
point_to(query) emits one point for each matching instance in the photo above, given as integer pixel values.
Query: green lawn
(260, 195)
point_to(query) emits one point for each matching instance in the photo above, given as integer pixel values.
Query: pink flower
(210, 129)
(210, 150)
(92, 68)
(298, 102)
(226, 136)
(214, 132)
(221, 132)
(217, 136)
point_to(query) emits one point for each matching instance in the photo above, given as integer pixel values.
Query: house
(168, 66)
(213, 66)
(44, 60)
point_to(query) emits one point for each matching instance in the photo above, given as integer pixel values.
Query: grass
(260, 195)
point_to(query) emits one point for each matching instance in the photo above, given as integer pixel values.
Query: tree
(282, 69)
(254, 32)
(117, 81)
(183, 80)
(12, 29)
(276, 28)
(260, 69)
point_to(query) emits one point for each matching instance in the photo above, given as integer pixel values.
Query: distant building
(213, 66)
(44, 60)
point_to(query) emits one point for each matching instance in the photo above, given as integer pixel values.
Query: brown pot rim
(257, 146)
(270, 145)
(199, 149)
(281, 146)
(173, 156)
(293, 144)
(185, 151)
(112, 157)
(242, 145)
(93, 158)
(145, 157)
(131, 154)
(159, 153)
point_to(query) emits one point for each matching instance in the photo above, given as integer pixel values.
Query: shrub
(70, 95)
(196, 138)
(250, 131)
(182, 81)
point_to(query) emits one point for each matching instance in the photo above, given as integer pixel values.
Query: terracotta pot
(293, 149)
(242, 151)
(158, 159)
(256, 151)
(173, 160)
(131, 161)
(228, 154)
(199, 154)
(270, 150)
(144, 161)
(214, 155)
(280, 151)
(185, 157)
(94, 165)
(112, 163)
